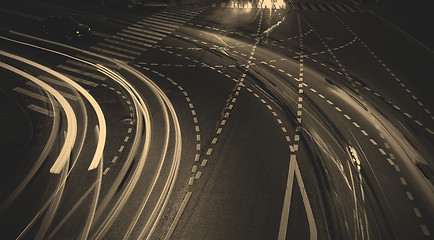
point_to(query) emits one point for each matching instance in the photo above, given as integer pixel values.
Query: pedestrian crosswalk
(326, 7)
(135, 39)
(303, 6)
(125, 46)
(39, 100)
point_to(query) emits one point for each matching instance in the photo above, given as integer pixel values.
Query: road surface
(221, 120)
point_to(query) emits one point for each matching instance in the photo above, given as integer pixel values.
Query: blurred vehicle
(129, 4)
(65, 26)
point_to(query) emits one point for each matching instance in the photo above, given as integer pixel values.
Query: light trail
(178, 146)
(147, 120)
(124, 83)
(64, 153)
(164, 197)
(70, 115)
(86, 229)
(49, 216)
(100, 115)
(115, 211)
(38, 163)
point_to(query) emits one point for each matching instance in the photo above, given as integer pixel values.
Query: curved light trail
(70, 115)
(56, 168)
(164, 197)
(38, 163)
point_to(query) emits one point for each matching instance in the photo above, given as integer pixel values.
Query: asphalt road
(226, 120)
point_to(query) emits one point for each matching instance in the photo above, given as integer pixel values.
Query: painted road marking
(32, 94)
(78, 71)
(294, 170)
(40, 110)
(102, 50)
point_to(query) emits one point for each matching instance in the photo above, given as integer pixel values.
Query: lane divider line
(293, 164)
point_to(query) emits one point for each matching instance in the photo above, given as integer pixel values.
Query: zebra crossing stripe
(349, 8)
(160, 29)
(66, 95)
(118, 48)
(102, 50)
(98, 61)
(303, 6)
(322, 7)
(31, 94)
(40, 110)
(125, 44)
(78, 71)
(80, 80)
(160, 20)
(340, 8)
(358, 8)
(195, 13)
(54, 81)
(80, 64)
(104, 35)
(313, 6)
(131, 41)
(137, 38)
(177, 15)
(142, 35)
(183, 13)
(331, 7)
(148, 31)
(165, 18)
(160, 23)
